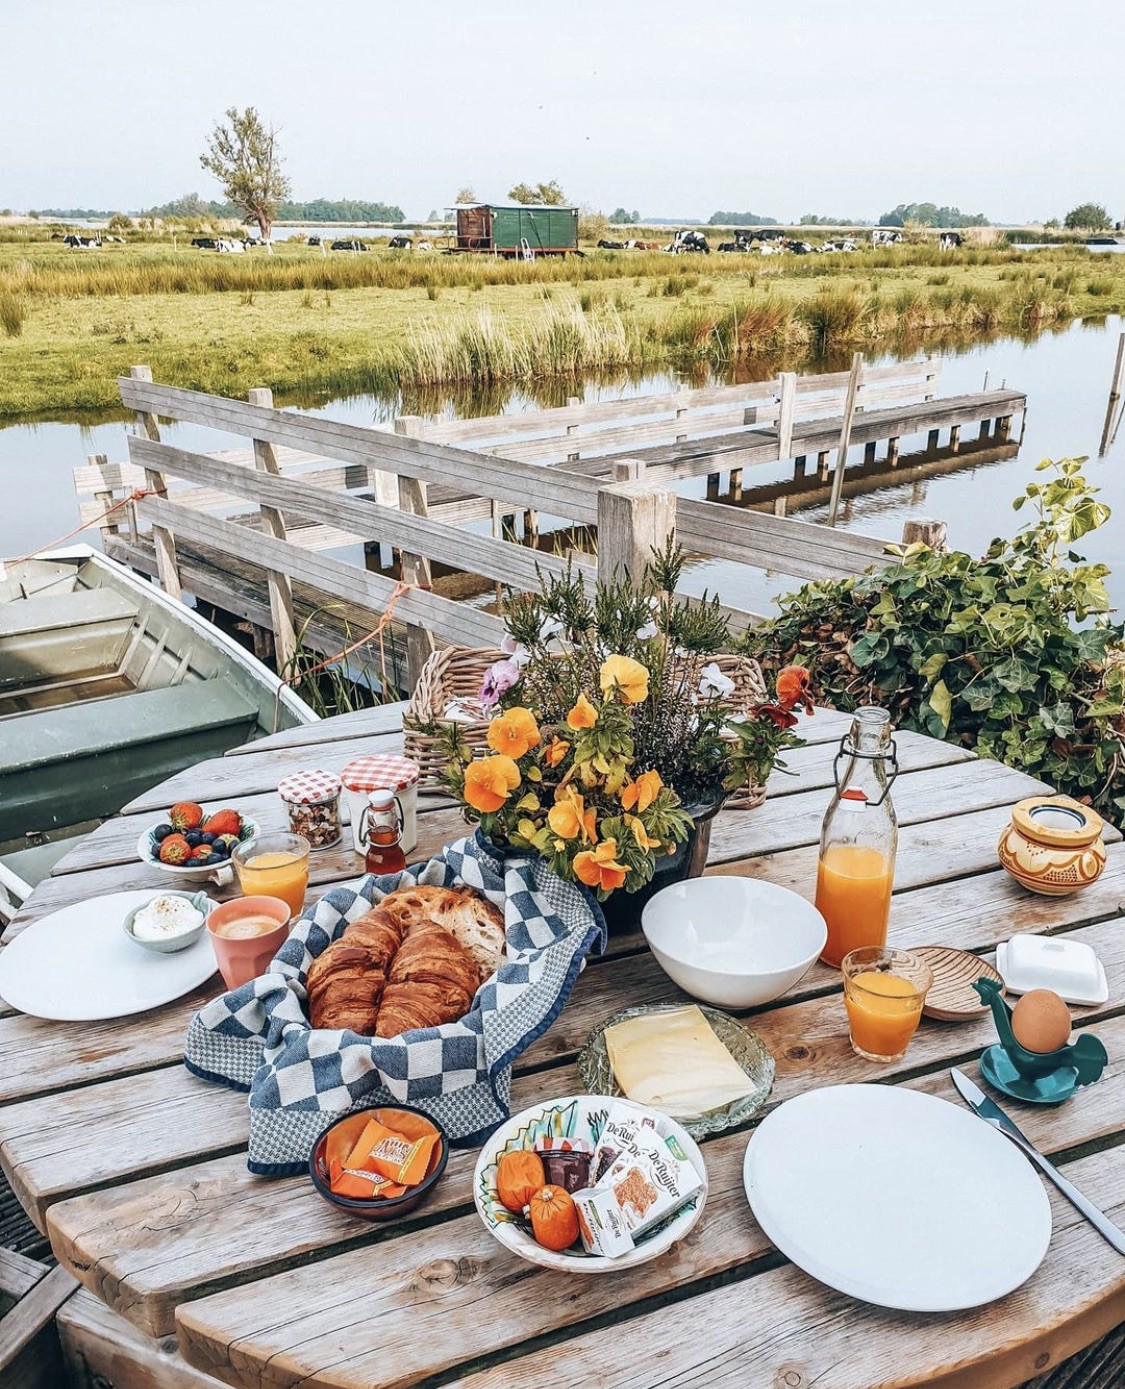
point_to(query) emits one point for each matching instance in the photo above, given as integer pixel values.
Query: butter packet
(626, 1131)
(651, 1184)
(601, 1223)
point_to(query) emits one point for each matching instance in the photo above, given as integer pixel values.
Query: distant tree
(549, 193)
(120, 223)
(739, 219)
(1051, 224)
(1086, 217)
(930, 215)
(813, 219)
(242, 154)
(465, 194)
(622, 217)
(592, 224)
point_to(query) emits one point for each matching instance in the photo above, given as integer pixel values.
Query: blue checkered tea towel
(258, 1037)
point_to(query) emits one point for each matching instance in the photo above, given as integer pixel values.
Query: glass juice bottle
(859, 839)
(381, 832)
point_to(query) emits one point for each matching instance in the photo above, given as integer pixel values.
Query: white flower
(517, 654)
(713, 684)
(648, 631)
(551, 628)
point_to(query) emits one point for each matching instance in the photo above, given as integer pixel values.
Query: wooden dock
(256, 531)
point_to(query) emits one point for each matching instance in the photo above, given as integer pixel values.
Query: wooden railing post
(926, 531)
(416, 570)
(845, 437)
(273, 523)
(1116, 387)
(163, 542)
(634, 519)
(786, 412)
(103, 497)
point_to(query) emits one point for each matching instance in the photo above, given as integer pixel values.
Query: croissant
(432, 981)
(346, 981)
(471, 919)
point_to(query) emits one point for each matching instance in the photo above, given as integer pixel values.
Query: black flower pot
(622, 910)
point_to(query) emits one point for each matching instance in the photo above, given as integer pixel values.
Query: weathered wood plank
(102, 1351)
(32, 1315)
(360, 723)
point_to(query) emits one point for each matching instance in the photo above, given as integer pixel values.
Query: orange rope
(93, 521)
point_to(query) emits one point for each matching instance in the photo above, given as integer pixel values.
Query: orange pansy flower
(514, 733)
(640, 834)
(489, 782)
(583, 715)
(642, 791)
(599, 868)
(555, 752)
(570, 818)
(623, 674)
(793, 688)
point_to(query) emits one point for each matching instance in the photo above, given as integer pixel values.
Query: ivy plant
(1013, 655)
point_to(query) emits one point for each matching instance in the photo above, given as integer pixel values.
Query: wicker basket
(456, 672)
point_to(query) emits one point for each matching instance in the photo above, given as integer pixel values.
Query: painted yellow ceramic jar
(1053, 845)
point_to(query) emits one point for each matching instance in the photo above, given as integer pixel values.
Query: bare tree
(242, 153)
(465, 194)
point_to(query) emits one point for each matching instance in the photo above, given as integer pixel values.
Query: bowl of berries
(195, 844)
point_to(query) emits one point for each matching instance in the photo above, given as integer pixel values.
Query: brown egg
(1041, 1021)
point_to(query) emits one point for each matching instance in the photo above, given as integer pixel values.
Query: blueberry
(219, 851)
(194, 838)
(207, 837)
(161, 832)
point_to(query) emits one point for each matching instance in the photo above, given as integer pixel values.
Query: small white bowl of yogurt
(168, 922)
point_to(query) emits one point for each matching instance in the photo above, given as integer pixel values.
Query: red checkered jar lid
(308, 788)
(376, 772)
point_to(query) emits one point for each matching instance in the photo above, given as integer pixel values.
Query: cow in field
(885, 236)
(77, 242)
(688, 243)
(400, 243)
(604, 245)
(353, 245)
(950, 240)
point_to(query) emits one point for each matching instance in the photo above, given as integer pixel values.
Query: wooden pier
(252, 530)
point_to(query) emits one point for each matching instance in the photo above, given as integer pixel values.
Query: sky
(672, 108)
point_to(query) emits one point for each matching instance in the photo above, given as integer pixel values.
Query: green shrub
(1011, 655)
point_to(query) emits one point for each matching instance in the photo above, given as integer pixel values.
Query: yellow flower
(642, 791)
(626, 675)
(514, 733)
(490, 781)
(583, 715)
(555, 752)
(569, 817)
(640, 834)
(599, 867)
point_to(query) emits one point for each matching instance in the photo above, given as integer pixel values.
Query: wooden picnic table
(195, 1272)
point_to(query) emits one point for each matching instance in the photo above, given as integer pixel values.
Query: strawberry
(185, 815)
(203, 853)
(223, 822)
(174, 849)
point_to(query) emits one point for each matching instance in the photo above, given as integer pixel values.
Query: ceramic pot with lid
(1053, 845)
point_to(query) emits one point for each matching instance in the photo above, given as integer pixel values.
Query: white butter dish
(1069, 967)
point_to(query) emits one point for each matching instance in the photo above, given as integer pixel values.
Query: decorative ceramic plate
(78, 965)
(952, 997)
(597, 1076)
(896, 1197)
(576, 1116)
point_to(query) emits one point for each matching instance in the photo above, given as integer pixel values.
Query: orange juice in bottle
(859, 839)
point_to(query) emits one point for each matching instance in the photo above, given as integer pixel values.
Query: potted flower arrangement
(616, 735)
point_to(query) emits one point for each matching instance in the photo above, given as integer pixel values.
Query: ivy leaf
(933, 666)
(941, 702)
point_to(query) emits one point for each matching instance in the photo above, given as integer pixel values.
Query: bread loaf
(432, 981)
(346, 981)
(470, 918)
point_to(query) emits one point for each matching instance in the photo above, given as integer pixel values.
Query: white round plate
(78, 965)
(575, 1116)
(897, 1198)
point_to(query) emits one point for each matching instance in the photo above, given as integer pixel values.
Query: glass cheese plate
(745, 1046)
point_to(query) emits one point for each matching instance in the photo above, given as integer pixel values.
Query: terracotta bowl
(406, 1119)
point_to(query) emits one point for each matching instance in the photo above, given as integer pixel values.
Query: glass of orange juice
(883, 993)
(274, 865)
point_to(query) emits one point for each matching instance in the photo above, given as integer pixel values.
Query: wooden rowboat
(107, 686)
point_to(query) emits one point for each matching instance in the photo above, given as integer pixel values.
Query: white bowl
(736, 942)
(575, 1116)
(170, 945)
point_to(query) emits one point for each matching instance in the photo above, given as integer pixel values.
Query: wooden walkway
(263, 1285)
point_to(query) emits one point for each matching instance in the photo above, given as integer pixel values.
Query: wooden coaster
(952, 997)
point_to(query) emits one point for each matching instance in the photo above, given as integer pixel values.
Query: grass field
(313, 326)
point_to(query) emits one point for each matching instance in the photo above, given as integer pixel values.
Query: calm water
(1065, 374)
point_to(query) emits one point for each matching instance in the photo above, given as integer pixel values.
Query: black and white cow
(688, 242)
(950, 240)
(353, 245)
(400, 243)
(83, 243)
(885, 236)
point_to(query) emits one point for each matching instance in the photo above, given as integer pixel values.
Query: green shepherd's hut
(517, 229)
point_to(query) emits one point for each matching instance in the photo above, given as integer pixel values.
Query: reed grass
(13, 312)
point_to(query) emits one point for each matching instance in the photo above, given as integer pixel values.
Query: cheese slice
(674, 1062)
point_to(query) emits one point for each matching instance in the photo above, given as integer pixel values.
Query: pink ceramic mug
(243, 957)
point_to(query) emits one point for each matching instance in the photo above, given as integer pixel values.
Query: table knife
(991, 1113)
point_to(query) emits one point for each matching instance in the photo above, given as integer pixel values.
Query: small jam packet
(353, 1182)
(392, 1155)
(651, 1184)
